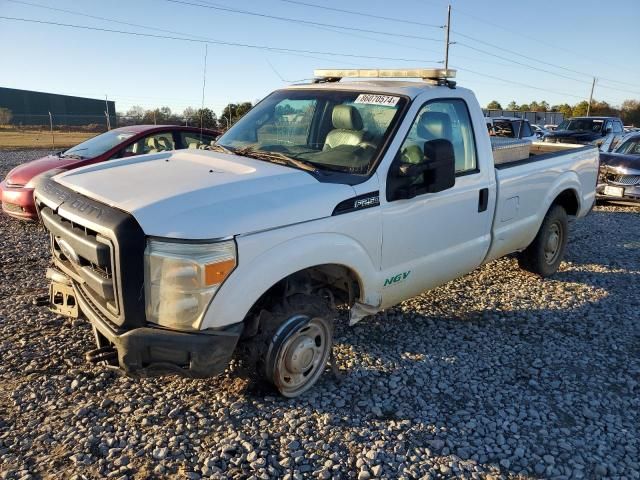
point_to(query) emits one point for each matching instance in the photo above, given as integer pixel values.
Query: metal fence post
(53, 140)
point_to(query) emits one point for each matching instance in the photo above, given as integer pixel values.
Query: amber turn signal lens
(215, 273)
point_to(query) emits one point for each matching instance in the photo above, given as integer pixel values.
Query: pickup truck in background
(511, 127)
(355, 193)
(603, 132)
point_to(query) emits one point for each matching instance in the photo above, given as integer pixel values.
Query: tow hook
(105, 354)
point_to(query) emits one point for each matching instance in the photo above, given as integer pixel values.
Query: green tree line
(629, 110)
(194, 117)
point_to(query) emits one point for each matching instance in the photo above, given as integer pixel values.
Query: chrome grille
(623, 179)
(86, 256)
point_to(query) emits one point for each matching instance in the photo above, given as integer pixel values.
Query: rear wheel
(294, 343)
(545, 253)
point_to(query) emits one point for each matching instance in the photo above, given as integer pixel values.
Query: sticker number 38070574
(372, 99)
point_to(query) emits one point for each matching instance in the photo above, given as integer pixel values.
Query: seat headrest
(346, 117)
(434, 125)
(153, 142)
(164, 142)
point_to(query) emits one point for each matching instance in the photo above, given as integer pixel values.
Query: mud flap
(62, 300)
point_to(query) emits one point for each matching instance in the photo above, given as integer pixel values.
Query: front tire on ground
(294, 343)
(545, 253)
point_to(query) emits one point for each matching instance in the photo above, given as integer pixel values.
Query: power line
(369, 15)
(554, 45)
(211, 41)
(517, 83)
(520, 63)
(533, 59)
(300, 21)
(96, 17)
(138, 25)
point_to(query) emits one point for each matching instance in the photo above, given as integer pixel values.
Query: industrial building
(27, 107)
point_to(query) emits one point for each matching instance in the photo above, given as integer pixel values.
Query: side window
(193, 139)
(448, 119)
(526, 130)
(617, 127)
(158, 142)
(289, 124)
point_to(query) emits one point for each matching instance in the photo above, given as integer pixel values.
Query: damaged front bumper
(148, 350)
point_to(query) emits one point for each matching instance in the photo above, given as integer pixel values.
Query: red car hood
(25, 172)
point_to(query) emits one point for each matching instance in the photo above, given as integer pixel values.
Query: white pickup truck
(355, 193)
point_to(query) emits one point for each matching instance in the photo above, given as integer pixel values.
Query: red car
(16, 191)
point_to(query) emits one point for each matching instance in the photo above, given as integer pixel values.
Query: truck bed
(543, 151)
(525, 188)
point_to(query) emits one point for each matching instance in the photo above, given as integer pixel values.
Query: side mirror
(441, 162)
(438, 171)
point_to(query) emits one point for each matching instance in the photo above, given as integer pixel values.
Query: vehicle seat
(165, 144)
(347, 127)
(434, 125)
(194, 145)
(431, 126)
(153, 146)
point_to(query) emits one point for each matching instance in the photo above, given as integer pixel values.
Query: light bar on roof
(423, 73)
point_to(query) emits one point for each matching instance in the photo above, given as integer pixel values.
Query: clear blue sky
(593, 37)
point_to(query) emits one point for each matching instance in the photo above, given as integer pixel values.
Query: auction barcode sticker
(372, 99)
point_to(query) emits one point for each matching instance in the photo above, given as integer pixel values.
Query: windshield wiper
(72, 155)
(220, 148)
(276, 157)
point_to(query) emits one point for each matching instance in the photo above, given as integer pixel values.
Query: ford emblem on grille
(67, 250)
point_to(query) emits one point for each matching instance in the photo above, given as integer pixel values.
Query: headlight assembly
(182, 278)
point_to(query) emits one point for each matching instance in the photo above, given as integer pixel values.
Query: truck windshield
(97, 145)
(331, 130)
(582, 124)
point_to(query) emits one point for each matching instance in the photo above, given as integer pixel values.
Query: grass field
(10, 139)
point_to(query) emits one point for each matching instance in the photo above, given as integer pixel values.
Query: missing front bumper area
(146, 351)
(62, 298)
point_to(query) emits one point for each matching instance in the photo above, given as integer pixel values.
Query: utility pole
(446, 41)
(593, 85)
(106, 103)
(204, 82)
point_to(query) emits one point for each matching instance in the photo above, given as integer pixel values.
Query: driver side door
(432, 238)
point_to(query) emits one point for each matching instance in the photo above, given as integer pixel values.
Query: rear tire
(545, 253)
(294, 343)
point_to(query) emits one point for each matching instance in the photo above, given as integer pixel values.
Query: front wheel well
(339, 283)
(568, 200)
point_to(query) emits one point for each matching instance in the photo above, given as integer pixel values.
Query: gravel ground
(496, 375)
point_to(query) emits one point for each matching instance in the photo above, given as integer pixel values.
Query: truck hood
(580, 136)
(21, 174)
(198, 194)
(629, 164)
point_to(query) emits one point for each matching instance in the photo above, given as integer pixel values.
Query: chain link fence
(54, 131)
(538, 118)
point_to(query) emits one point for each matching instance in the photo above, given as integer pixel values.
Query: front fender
(255, 274)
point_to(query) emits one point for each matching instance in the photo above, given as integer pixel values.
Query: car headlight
(182, 278)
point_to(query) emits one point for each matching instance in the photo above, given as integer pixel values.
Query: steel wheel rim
(553, 243)
(302, 357)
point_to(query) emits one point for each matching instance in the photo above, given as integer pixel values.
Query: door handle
(483, 199)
